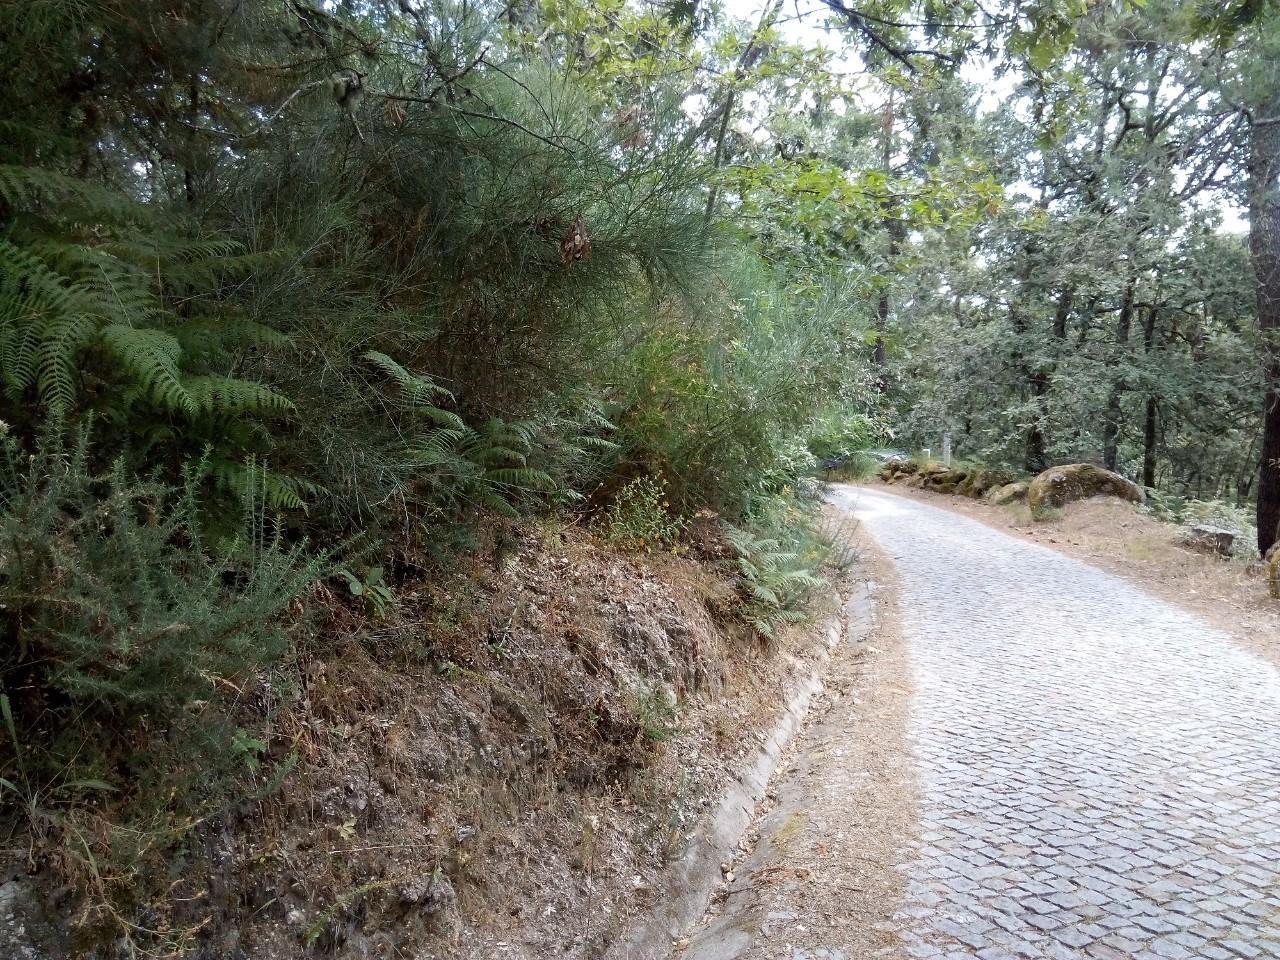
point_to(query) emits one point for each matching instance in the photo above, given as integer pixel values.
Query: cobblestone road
(1100, 771)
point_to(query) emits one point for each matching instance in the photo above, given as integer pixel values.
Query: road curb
(694, 877)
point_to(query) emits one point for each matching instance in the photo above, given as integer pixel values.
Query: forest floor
(1032, 759)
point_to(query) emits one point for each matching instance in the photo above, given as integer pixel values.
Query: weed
(377, 596)
(655, 713)
(640, 517)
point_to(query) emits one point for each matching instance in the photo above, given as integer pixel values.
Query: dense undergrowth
(296, 304)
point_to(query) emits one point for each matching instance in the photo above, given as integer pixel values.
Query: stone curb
(693, 878)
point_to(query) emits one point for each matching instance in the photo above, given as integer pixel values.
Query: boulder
(943, 481)
(1058, 486)
(1007, 493)
(1207, 539)
(982, 480)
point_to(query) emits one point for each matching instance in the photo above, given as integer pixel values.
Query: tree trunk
(1111, 424)
(1149, 445)
(879, 355)
(1149, 433)
(1037, 450)
(1264, 248)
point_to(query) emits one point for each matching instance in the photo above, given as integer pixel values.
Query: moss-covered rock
(942, 478)
(980, 481)
(1058, 486)
(1272, 566)
(1007, 493)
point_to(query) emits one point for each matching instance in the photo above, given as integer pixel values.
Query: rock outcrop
(971, 482)
(1058, 486)
(1208, 539)
(1007, 493)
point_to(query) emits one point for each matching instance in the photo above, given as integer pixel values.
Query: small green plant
(1045, 513)
(372, 589)
(780, 552)
(640, 516)
(655, 713)
(1168, 507)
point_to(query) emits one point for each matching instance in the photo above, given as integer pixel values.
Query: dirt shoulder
(818, 874)
(1119, 538)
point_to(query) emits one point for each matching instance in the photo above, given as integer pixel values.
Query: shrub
(779, 555)
(640, 517)
(114, 610)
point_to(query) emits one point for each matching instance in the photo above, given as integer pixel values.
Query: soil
(818, 874)
(1120, 538)
(500, 769)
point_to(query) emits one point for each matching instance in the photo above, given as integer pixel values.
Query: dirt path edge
(693, 878)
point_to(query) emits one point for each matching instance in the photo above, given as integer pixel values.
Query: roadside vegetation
(319, 322)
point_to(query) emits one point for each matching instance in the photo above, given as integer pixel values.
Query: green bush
(640, 516)
(116, 614)
(719, 389)
(780, 554)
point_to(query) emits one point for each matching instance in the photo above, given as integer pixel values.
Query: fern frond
(254, 480)
(412, 388)
(231, 396)
(152, 357)
(24, 188)
(523, 479)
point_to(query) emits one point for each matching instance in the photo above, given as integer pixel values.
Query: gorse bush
(115, 611)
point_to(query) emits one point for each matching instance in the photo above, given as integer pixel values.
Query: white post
(946, 450)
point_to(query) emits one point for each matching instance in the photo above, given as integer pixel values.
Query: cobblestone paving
(1100, 770)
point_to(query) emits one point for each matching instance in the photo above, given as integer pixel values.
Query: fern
(777, 580)
(152, 357)
(128, 322)
(252, 480)
(23, 187)
(229, 396)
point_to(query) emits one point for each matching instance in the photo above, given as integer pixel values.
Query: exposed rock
(963, 481)
(1058, 486)
(1209, 539)
(980, 481)
(1008, 493)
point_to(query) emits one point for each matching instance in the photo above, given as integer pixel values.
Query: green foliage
(372, 590)
(656, 714)
(1187, 511)
(111, 600)
(640, 516)
(780, 554)
(718, 398)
